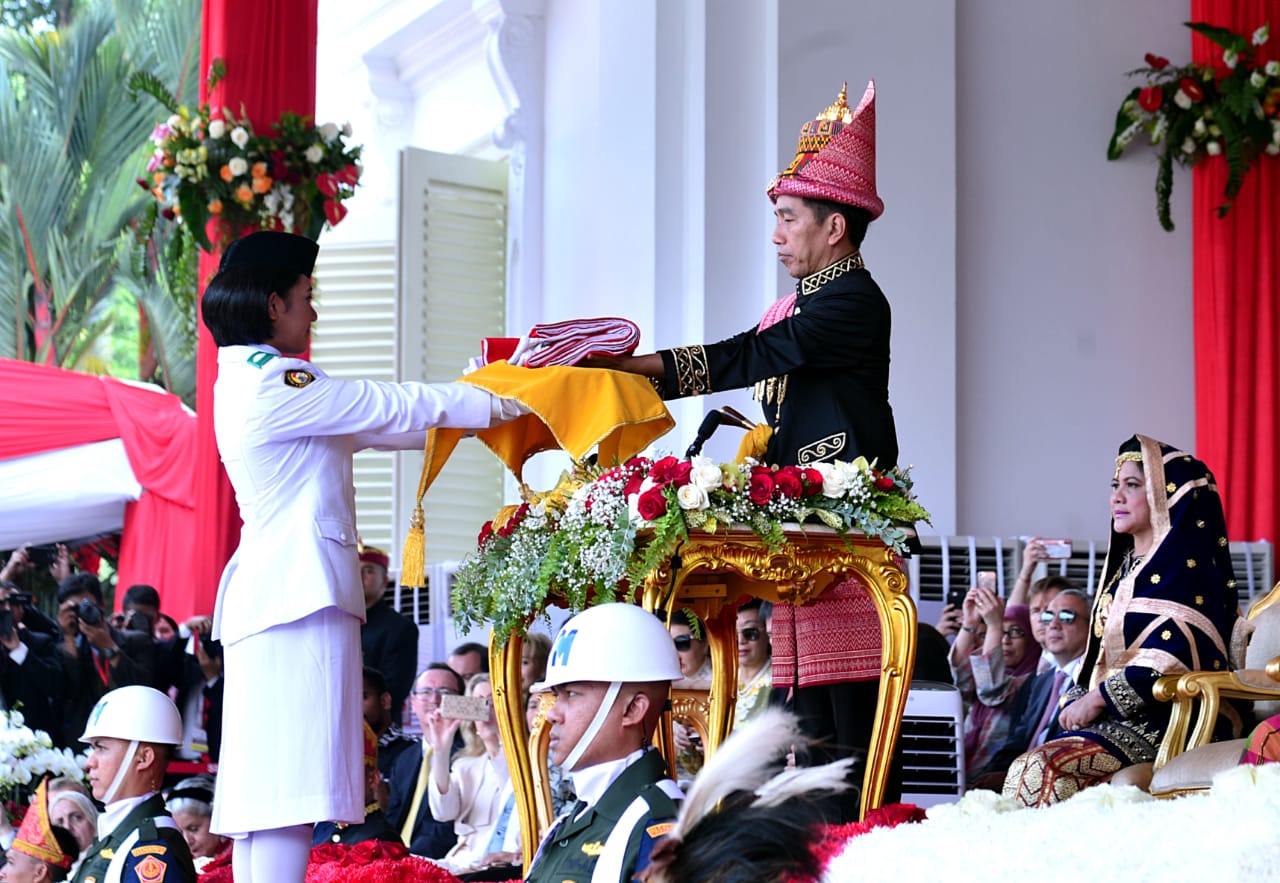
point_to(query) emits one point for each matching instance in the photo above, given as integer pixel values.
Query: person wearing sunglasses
(755, 668)
(1168, 605)
(688, 633)
(990, 669)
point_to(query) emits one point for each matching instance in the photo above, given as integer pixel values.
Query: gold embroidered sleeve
(692, 376)
(1121, 696)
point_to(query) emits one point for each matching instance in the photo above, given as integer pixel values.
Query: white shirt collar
(115, 812)
(591, 783)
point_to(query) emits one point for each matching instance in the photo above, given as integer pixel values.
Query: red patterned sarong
(834, 639)
(1058, 769)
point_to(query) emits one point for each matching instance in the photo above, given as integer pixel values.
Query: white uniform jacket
(286, 433)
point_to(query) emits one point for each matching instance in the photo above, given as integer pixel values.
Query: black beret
(267, 248)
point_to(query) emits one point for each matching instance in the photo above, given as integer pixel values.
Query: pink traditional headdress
(836, 156)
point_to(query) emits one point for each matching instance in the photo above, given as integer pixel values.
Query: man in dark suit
(388, 638)
(96, 657)
(1035, 715)
(30, 672)
(409, 810)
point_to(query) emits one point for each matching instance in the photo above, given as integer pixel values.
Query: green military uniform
(159, 854)
(612, 840)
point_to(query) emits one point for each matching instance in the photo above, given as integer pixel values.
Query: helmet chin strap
(593, 728)
(121, 772)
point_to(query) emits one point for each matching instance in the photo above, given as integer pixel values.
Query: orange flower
(259, 170)
(225, 173)
(244, 194)
(261, 185)
(158, 193)
(215, 207)
(158, 177)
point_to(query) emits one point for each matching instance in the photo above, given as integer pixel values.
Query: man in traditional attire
(819, 364)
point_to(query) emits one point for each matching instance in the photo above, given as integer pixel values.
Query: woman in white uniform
(290, 602)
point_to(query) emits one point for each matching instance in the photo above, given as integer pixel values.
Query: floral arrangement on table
(599, 529)
(210, 165)
(1190, 113)
(26, 755)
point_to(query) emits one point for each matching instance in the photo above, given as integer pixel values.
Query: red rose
(761, 488)
(486, 533)
(334, 211)
(633, 484)
(1157, 62)
(652, 504)
(1150, 98)
(279, 166)
(663, 472)
(168, 213)
(327, 185)
(789, 483)
(1191, 89)
(680, 476)
(812, 482)
(884, 483)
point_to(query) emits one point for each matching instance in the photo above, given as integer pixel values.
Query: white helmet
(611, 643)
(135, 714)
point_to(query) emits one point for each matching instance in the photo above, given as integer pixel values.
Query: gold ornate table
(711, 574)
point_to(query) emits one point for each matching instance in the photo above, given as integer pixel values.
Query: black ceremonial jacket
(821, 374)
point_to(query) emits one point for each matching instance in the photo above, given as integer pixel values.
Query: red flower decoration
(327, 185)
(884, 483)
(1158, 62)
(663, 471)
(334, 211)
(1191, 89)
(762, 486)
(812, 482)
(633, 483)
(486, 533)
(1150, 98)
(652, 504)
(349, 175)
(789, 482)
(682, 473)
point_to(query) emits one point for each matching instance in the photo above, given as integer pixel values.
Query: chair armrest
(1210, 688)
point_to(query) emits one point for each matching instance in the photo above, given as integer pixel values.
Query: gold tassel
(413, 564)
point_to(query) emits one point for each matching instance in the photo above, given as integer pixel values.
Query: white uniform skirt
(292, 727)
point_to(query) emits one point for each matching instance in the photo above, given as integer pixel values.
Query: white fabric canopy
(71, 492)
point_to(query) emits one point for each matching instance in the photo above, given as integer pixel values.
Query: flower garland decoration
(1190, 113)
(209, 165)
(600, 529)
(26, 756)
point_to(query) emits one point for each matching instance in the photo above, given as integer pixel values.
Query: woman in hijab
(1168, 605)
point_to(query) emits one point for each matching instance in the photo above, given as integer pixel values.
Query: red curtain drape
(1237, 326)
(269, 47)
(157, 432)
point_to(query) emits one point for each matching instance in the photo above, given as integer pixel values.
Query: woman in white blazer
(290, 603)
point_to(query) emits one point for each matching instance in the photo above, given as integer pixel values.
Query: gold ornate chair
(1187, 760)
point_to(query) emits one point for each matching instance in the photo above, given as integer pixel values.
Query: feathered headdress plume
(745, 821)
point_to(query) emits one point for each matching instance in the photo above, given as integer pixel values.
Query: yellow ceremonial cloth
(419, 791)
(574, 410)
(754, 443)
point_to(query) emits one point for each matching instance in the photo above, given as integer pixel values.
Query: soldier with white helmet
(611, 669)
(131, 734)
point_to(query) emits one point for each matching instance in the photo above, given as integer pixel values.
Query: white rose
(1272, 68)
(217, 128)
(1257, 79)
(1230, 58)
(1198, 128)
(833, 480)
(238, 165)
(705, 473)
(1261, 35)
(329, 131)
(1213, 148)
(1188, 146)
(314, 154)
(1182, 99)
(692, 497)
(240, 136)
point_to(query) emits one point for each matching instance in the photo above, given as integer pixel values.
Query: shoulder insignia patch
(108, 853)
(260, 358)
(150, 870)
(298, 378)
(660, 830)
(150, 849)
(593, 848)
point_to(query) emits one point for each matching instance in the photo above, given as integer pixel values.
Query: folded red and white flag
(571, 341)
